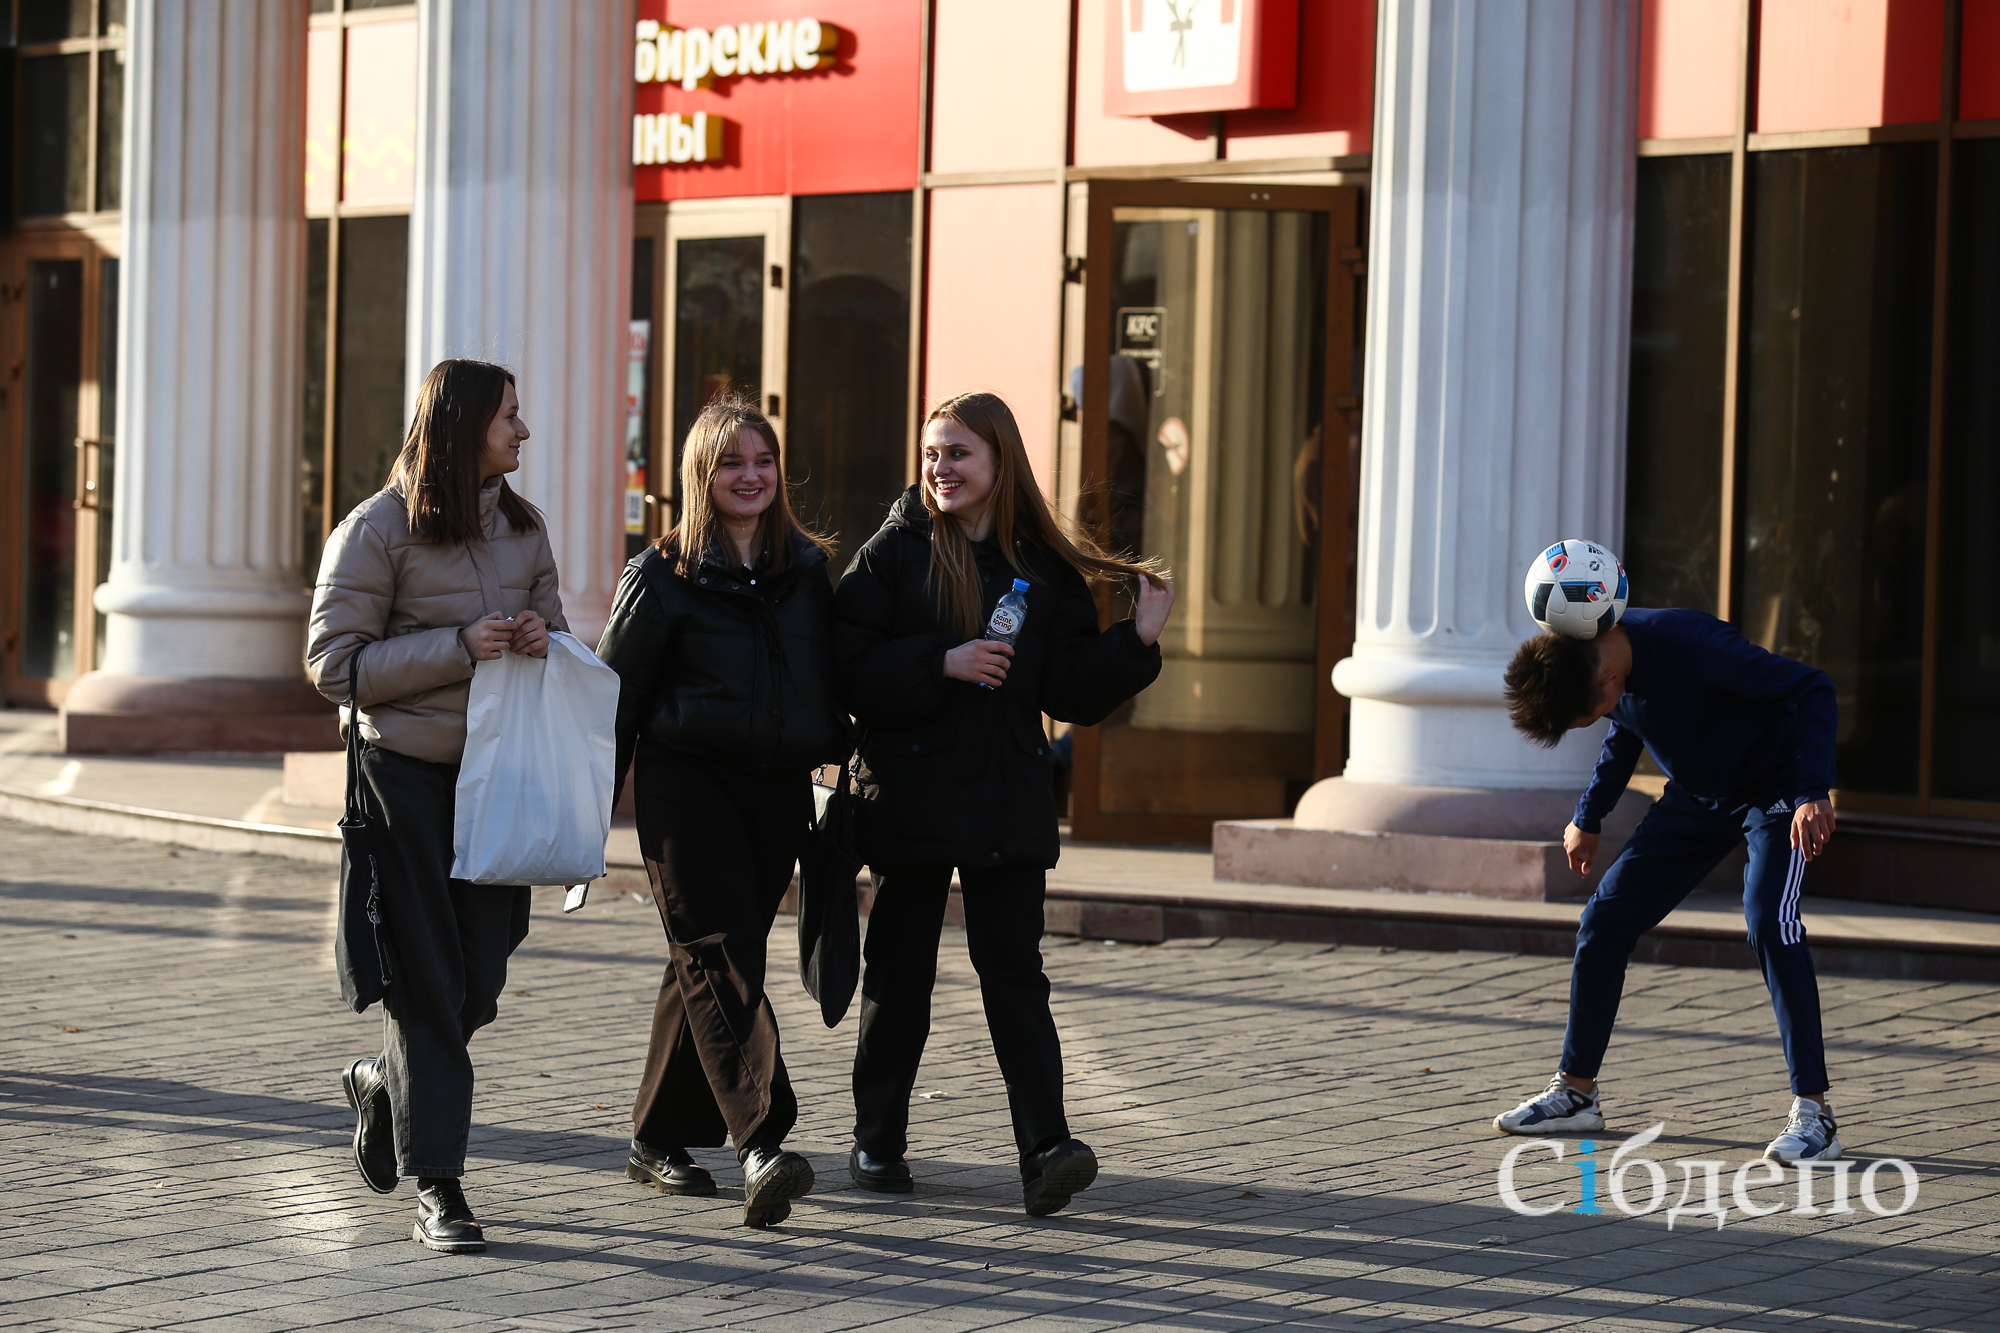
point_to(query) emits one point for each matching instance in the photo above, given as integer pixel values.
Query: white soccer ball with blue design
(1576, 588)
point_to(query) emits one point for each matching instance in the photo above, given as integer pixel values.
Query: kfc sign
(1169, 57)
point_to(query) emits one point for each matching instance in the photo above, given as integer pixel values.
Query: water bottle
(1008, 617)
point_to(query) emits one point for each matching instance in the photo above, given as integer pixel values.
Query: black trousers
(719, 845)
(451, 941)
(1003, 927)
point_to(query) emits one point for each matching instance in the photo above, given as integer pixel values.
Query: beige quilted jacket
(379, 585)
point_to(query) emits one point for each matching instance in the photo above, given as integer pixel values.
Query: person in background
(721, 635)
(955, 769)
(442, 569)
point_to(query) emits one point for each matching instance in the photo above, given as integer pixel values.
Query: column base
(1376, 835)
(106, 714)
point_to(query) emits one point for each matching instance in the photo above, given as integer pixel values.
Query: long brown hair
(438, 467)
(711, 436)
(1019, 510)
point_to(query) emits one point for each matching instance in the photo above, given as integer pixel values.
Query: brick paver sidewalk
(1292, 1136)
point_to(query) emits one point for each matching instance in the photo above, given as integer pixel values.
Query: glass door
(722, 325)
(59, 303)
(1218, 436)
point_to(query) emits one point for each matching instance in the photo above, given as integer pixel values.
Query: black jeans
(1003, 927)
(719, 845)
(451, 941)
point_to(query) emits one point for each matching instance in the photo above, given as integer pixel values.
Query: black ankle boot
(883, 1175)
(669, 1170)
(771, 1180)
(1050, 1176)
(374, 1137)
(444, 1219)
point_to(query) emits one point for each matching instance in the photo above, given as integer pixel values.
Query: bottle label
(1005, 623)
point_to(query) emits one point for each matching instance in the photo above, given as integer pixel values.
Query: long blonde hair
(1019, 510)
(711, 436)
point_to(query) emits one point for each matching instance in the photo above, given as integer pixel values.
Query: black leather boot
(444, 1219)
(884, 1176)
(374, 1136)
(1049, 1177)
(771, 1180)
(669, 1170)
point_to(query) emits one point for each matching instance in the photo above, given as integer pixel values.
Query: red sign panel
(786, 97)
(1169, 57)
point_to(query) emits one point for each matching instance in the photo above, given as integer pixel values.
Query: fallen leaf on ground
(1249, 1194)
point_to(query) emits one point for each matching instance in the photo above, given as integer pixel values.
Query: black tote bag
(829, 910)
(361, 951)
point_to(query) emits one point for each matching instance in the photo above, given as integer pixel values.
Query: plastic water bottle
(1008, 618)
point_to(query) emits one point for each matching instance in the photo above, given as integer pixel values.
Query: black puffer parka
(729, 666)
(953, 773)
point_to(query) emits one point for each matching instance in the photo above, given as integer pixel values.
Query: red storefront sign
(1168, 57)
(789, 97)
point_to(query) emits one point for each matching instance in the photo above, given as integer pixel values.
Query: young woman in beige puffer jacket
(443, 568)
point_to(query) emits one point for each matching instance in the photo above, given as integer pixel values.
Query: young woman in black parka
(955, 769)
(721, 637)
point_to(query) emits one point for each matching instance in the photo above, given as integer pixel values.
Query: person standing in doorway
(444, 568)
(955, 768)
(721, 635)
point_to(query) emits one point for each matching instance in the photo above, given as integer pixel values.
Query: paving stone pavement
(1292, 1136)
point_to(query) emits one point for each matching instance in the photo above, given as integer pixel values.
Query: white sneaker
(1559, 1110)
(1810, 1135)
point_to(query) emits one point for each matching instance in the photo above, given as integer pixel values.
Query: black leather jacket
(732, 667)
(953, 773)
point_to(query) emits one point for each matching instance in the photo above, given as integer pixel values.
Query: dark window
(107, 428)
(848, 417)
(53, 379)
(1673, 461)
(1968, 634)
(374, 256)
(639, 402)
(718, 324)
(53, 20)
(1836, 434)
(110, 18)
(312, 434)
(110, 127)
(55, 137)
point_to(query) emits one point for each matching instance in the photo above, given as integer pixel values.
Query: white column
(521, 247)
(1494, 403)
(205, 587)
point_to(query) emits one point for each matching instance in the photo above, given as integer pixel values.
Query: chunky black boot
(884, 1176)
(771, 1180)
(669, 1170)
(1051, 1175)
(444, 1219)
(374, 1137)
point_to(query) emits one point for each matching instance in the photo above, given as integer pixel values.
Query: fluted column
(205, 601)
(521, 243)
(1494, 401)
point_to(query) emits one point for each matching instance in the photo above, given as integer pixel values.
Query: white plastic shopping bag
(534, 788)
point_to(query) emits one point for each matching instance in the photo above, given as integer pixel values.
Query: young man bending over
(1745, 738)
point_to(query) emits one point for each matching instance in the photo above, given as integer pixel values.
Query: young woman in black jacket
(955, 768)
(720, 635)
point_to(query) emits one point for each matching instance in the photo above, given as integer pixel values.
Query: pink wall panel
(1979, 60)
(1336, 104)
(1103, 140)
(1841, 64)
(998, 84)
(379, 162)
(1687, 68)
(991, 304)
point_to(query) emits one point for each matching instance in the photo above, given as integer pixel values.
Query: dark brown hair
(712, 435)
(1019, 510)
(1552, 682)
(438, 467)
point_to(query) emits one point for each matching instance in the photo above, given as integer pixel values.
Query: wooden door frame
(92, 246)
(1334, 632)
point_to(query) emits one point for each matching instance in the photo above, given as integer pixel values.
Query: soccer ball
(1576, 588)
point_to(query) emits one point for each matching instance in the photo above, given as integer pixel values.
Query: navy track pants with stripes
(1679, 841)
